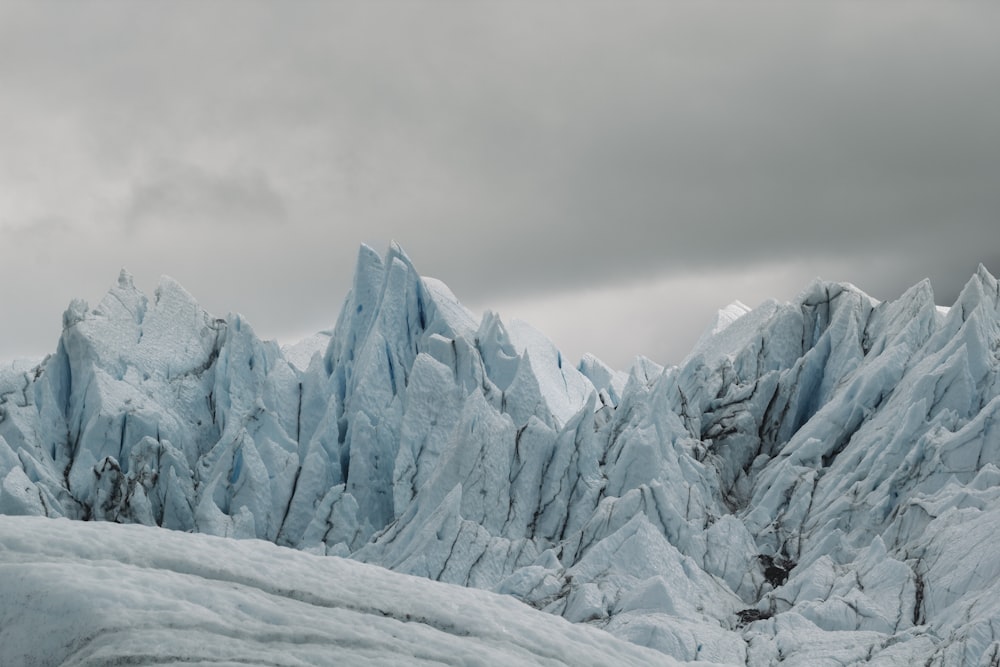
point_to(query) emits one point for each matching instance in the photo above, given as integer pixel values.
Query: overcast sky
(611, 172)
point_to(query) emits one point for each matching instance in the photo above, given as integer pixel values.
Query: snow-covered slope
(816, 480)
(100, 594)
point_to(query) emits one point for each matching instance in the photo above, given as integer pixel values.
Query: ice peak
(124, 297)
(367, 275)
(825, 291)
(396, 251)
(981, 287)
(987, 280)
(168, 288)
(125, 279)
(726, 316)
(922, 292)
(366, 256)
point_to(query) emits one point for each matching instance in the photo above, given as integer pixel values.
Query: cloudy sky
(611, 172)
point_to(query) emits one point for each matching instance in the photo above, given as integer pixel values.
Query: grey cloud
(787, 148)
(186, 194)
(512, 149)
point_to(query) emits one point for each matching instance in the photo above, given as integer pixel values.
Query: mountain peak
(811, 465)
(125, 279)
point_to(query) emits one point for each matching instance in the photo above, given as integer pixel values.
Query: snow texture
(817, 483)
(100, 594)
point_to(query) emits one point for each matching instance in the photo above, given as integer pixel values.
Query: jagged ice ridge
(816, 483)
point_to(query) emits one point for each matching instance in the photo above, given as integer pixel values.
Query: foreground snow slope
(74, 593)
(816, 483)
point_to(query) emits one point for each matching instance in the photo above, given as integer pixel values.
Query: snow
(299, 354)
(74, 593)
(814, 484)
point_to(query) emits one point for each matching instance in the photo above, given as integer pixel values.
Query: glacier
(816, 483)
(134, 595)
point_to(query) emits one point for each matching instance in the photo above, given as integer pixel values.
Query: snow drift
(102, 594)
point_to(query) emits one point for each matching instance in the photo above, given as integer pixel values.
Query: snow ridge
(817, 479)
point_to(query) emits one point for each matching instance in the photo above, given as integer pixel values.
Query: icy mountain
(816, 483)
